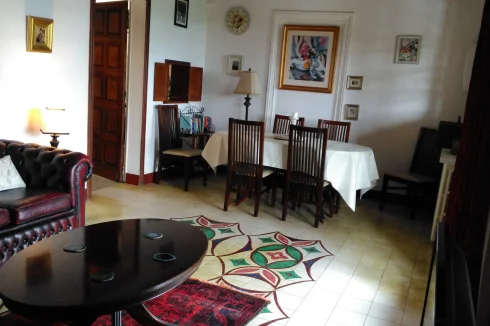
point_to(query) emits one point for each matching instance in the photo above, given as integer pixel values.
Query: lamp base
(54, 141)
(247, 104)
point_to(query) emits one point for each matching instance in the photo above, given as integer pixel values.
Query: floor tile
(411, 319)
(396, 279)
(353, 304)
(386, 313)
(346, 317)
(302, 319)
(393, 300)
(371, 321)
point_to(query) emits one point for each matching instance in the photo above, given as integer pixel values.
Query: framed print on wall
(351, 112)
(408, 49)
(355, 82)
(308, 58)
(181, 14)
(235, 64)
(39, 34)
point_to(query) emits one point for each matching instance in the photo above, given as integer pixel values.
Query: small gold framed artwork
(39, 34)
(354, 82)
(351, 112)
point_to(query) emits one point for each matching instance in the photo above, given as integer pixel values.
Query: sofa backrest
(39, 166)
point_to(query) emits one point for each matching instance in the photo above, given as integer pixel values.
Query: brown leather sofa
(53, 200)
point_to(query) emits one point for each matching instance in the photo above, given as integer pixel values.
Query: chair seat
(411, 177)
(27, 204)
(183, 152)
(4, 217)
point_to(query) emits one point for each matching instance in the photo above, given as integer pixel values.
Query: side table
(448, 160)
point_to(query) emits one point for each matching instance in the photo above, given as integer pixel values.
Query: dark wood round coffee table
(124, 264)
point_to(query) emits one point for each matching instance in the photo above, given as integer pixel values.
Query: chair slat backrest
(246, 147)
(168, 127)
(282, 123)
(337, 130)
(425, 160)
(306, 154)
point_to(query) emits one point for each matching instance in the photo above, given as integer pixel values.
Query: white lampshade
(55, 121)
(249, 83)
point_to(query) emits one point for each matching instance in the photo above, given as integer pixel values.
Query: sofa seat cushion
(4, 217)
(26, 204)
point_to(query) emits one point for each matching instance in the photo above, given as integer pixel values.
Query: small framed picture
(351, 112)
(39, 34)
(354, 82)
(181, 14)
(408, 49)
(235, 63)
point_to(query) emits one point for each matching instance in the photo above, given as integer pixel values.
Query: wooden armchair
(171, 153)
(282, 123)
(424, 173)
(306, 169)
(337, 131)
(245, 161)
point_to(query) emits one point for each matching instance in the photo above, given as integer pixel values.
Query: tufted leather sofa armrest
(44, 167)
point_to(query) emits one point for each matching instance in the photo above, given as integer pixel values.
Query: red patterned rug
(193, 303)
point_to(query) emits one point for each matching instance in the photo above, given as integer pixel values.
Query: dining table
(348, 167)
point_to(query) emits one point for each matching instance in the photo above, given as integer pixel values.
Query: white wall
(37, 80)
(396, 100)
(175, 43)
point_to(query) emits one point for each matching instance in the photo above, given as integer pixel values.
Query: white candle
(295, 115)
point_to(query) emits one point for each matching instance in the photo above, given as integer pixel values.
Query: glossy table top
(44, 279)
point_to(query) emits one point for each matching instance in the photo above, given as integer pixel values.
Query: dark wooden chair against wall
(337, 131)
(282, 123)
(245, 161)
(171, 153)
(424, 173)
(305, 169)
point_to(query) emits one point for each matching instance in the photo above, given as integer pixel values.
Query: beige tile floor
(376, 275)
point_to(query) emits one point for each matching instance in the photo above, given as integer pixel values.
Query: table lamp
(54, 124)
(249, 84)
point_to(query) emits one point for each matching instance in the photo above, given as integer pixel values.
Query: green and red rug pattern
(266, 263)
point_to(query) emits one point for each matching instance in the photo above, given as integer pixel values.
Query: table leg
(116, 318)
(144, 317)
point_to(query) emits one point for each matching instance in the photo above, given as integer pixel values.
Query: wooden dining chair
(245, 161)
(337, 130)
(305, 175)
(424, 174)
(282, 123)
(171, 153)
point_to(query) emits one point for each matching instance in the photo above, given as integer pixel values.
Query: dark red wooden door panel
(108, 83)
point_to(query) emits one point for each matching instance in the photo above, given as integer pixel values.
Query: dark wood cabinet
(177, 82)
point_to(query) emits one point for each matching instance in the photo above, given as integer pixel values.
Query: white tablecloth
(349, 167)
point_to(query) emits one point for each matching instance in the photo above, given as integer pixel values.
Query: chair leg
(319, 207)
(285, 201)
(274, 194)
(414, 202)
(337, 202)
(187, 171)
(158, 174)
(258, 185)
(331, 208)
(384, 190)
(204, 172)
(227, 193)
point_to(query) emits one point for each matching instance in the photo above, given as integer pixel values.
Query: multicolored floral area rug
(260, 264)
(193, 303)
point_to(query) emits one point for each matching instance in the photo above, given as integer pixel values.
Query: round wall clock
(237, 20)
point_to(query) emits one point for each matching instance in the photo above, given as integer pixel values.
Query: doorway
(110, 31)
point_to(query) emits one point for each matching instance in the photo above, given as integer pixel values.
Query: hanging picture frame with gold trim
(39, 34)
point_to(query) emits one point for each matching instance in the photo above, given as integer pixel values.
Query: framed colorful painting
(308, 58)
(408, 49)
(39, 34)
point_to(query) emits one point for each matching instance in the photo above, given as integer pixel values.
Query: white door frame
(344, 20)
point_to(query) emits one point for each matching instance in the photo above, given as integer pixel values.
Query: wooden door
(108, 85)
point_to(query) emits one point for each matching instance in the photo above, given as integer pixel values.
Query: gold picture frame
(308, 58)
(39, 34)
